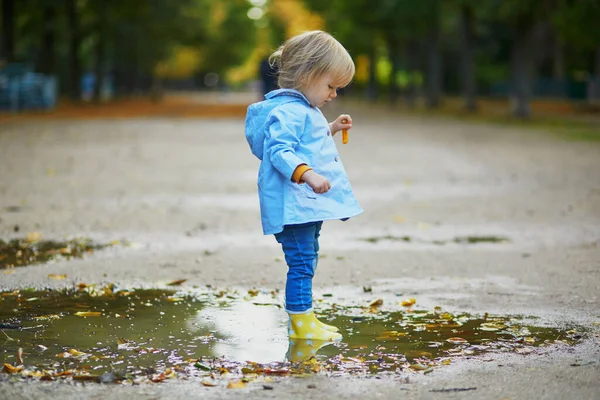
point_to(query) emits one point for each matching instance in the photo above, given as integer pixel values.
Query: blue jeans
(300, 244)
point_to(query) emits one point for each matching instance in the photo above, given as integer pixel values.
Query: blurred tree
(434, 58)
(467, 8)
(356, 25)
(73, 13)
(526, 19)
(101, 11)
(8, 30)
(231, 38)
(47, 59)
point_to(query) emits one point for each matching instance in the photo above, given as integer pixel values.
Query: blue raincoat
(283, 132)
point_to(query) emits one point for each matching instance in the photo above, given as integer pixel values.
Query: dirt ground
(183, 190)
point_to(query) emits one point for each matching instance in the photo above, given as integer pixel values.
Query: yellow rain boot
(323, 325)
(304, 349)
(328, 327)
(307, 326)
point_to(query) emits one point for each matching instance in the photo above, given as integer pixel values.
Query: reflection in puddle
(21, 252)
(91, 332)
(249, 332)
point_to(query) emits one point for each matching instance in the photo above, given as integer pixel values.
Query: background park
(132, 262)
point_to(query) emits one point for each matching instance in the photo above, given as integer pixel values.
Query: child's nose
(334, 94)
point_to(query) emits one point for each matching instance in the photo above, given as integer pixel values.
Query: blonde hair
(309, 56)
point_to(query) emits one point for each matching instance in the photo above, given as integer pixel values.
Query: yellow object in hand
(345, 133)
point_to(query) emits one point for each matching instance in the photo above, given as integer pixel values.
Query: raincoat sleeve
(282, 139)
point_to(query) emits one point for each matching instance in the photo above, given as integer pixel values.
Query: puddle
(27, 251)
(456, 240)
(108, 335)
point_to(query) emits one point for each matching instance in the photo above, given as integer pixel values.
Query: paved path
(183, 190)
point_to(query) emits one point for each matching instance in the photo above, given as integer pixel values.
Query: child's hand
(317, 182)
(344, 121)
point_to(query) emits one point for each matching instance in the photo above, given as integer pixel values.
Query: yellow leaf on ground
(409, 302)
(376, 303)
(88, 313)
(8, 271)
(76, 353)
(57, 276)
(236, 385)
(9, 369)
(208, 383)
(33, 237)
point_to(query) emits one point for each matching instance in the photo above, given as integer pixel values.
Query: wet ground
(495, 233)
(94, 332)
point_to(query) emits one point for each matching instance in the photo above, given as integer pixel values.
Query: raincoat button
(328, 133)
(337, 159)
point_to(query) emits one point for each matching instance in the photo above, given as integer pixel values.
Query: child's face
(321, 90)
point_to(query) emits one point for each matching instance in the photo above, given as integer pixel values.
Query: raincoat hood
(258, 114)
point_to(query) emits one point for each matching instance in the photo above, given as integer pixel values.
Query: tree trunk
(521, 65)
(434, 60)
(410, 94)
(393, 85)
(74, 42)
(594, 82)
(8, 30)
(372, 84)
(558, 60)
(467, 74)
(47, 61)
(597, 63)
(100, 68)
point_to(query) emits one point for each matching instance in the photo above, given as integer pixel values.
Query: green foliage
(233, 40)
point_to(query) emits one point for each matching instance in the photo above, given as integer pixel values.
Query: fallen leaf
(84, 378)
(419, 367)
(156, 378)
(8, 271)
(9, 369)
(47, 317)
(88, 313)
(208, 383)
(492, 326)
(236, 385)
(376, 304)
(409, 302)
(77, 353)
(177, 282)
(456, 340)
(33, 237)
(57, 277)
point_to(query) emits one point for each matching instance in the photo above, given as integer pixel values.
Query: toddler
(301, 179)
